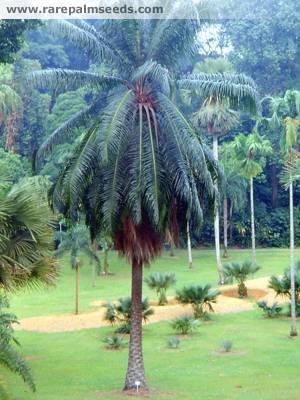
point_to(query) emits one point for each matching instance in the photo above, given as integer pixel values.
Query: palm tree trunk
(189, 245)
(217, 222)
(230, 222)
(76, 290)
(105, 263)
(225, 212)
(252, 222)
(135, 370)
(292, 263)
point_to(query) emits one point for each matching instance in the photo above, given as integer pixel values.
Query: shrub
(282, 285)
(240, 273)
(115, 342)
(270, 310)
(161, 282)
(200, 297)
(185, 325)
(173, 342)
(227, 345)
(120, 313)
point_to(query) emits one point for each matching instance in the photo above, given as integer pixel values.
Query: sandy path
(71, 322)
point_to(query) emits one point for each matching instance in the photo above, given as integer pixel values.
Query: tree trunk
(217, 222)
(76, 290)
(292, 263)
(189, 245)
(135, 370)
(172, 254)
(105, 263)
(225, 212)
(230, 222)
(252, 222)
(274, 182)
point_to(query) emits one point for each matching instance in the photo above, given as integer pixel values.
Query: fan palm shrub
(76, 241)
(121, 313)
(282, 286)
(271, 310)
(115, 342)
(185, 325)
(240, 272)
(160, 282)
(140, 169)
(200, 297)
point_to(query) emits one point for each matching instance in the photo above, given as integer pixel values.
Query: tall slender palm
(251, 151)
(286, 115)
(223, 94)
(76, 240)
(140, 169)
(233, 190)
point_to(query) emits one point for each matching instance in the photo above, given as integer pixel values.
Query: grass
(264, 363)
(59, 300)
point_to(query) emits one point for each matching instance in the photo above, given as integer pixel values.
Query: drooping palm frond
(66, 80)
(238, 89)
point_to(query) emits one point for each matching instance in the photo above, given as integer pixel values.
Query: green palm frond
(238, 89)
(67, 80)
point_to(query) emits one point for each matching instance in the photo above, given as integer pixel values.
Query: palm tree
(286, 116)
(189, 245)
(223, 94)
(161, 282)
(200, 297)
(76, 240)
(140, 168)
(240, 272)
(251, 151)
(233, 189)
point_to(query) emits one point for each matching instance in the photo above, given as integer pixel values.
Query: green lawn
(60, 299)
(264, 365)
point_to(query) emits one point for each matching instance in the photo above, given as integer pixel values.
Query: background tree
(233, 190)
(76, 240)
(223, 94)
(139, 169)
(251, 151)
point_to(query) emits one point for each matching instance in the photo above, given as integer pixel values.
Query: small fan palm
(122, 313)
(200, 297)
(240, 273)
(161, 282)
(76, 240)
(282, 285)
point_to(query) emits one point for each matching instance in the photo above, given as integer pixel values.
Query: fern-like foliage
(10, 358)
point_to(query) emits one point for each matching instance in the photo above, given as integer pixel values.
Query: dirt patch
(252, 293)
(171, 302)
(227, 302)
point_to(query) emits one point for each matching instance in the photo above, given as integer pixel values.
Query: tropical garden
(149, 208)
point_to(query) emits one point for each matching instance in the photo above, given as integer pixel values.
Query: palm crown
(140, 162)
